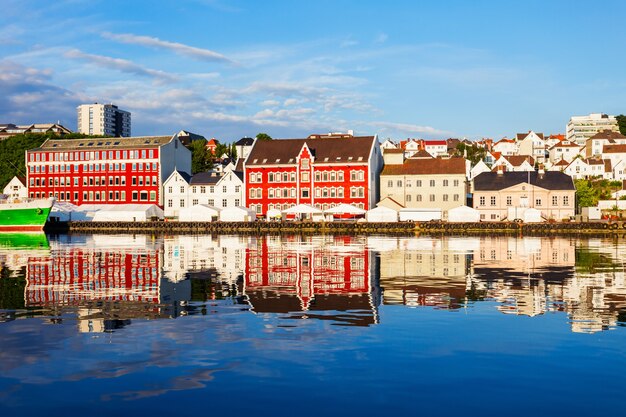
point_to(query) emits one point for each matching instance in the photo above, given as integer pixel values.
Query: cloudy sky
(399, 69)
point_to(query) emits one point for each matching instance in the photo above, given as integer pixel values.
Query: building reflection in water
(322, 277)
(107, 281)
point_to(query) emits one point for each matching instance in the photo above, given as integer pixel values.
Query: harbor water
(311, 325)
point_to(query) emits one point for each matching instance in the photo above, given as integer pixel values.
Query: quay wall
(401, 228)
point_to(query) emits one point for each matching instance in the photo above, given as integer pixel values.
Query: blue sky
(399, 69)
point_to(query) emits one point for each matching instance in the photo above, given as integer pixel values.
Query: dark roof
(239, 165)
(327, 150)
(185, 176)
(522, 136)
(422, 154)
(205, 178)
(245, 142)
(518, 160)
(619, 148)
(551, 180)
(430, 166)
(608, 134)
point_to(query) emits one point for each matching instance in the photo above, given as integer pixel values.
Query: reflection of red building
(77, 276)
(333, 277)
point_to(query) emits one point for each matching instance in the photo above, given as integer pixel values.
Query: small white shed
(237, 214)
(463, 214)
(127, 213)
(381, 214)
(199, 213)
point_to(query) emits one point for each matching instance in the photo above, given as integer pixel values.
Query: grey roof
(105, 143)
(245, 142)
(205, 178)
(551, 180)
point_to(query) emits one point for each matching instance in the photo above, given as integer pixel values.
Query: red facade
(78, 276)
(306, 178)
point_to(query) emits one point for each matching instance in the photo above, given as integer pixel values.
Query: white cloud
(119, 64)
(408, 128)
(178, 48)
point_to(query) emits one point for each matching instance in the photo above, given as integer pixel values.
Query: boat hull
(28, 216)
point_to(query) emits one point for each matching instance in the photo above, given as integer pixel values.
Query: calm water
(291, 326)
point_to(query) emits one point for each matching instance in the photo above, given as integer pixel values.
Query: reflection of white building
(223, 254)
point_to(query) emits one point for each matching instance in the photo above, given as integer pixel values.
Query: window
(182, 189)
(418, 183)
(211, 202)
(456, 197)
(237, 202)
(445, 183)
(305, 193)
(408, 198)
(224, 203)
(305, 164)
(182, 202)
(135, 195)
(432, 183)
(194, 202)
(555, 200)
(418, 197)
(152, 195)
(566, 200)
(445, 197)
(170, 203)
(390, 183)
(538, 202)
(456, 183)
(399, 183)
(304, 176)
(482, 200)
(493, 200)
(509, 200)
(432, 197)
(143, 196)
(223, 188)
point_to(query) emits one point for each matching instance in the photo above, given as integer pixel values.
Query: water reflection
(106, 282)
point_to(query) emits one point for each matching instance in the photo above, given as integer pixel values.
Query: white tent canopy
(532, 215)
(463, 214)
(237, 214)
(381, 214)
(302, 209)
(127, 213)
(344, 208)
(199, 213)
(273, 214)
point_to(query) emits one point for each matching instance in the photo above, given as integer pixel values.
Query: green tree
(586, 195)
(473, 153)
(621, 122)
(263, 137)
(201, 158)
(233, 151)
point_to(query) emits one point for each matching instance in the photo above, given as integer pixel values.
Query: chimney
(500, 169)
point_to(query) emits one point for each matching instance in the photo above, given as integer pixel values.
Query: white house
(532, 144)
(388, 144)
(617, 155)
(216, 189)
(16, 188)
(436, 147)
(411, 148)
(478, 169)
(505, 147)
(564, 150)
(596, 143)
(581, 168)
(515, 163)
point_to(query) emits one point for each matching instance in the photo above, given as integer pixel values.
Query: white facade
(532, 145)
(16, 189)
(220, 190)
(505, 147)
(585, 168)
(581, 128)
(103, 119)
(564, 150)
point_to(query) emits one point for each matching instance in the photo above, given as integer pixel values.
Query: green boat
(24, 216)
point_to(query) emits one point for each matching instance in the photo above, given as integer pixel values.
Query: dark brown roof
(88, 144)
(393, 151)
(522, 136)
(430, 166)
(327, 150)
(422, 154)
(518, 160)
(608, 134)
(618, 148)
(551, 180)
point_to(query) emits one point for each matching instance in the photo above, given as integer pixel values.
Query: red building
(319, 171)
(105, 170)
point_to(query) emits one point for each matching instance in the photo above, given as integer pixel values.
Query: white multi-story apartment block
(103, 119)
(581, 128)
